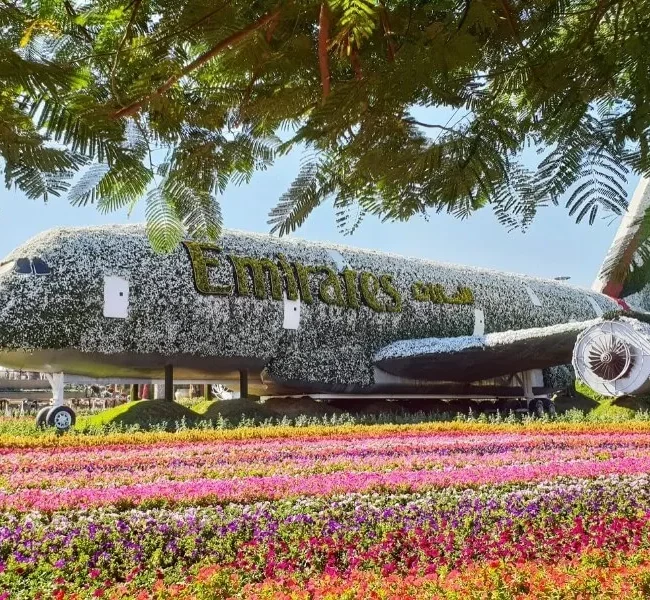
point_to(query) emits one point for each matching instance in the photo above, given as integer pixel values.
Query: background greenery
(169, 102)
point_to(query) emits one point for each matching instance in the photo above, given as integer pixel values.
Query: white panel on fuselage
(116, 297)
(291, 314)
(479, 322)
(537, 377)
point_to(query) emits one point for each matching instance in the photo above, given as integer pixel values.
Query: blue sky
(553, 246)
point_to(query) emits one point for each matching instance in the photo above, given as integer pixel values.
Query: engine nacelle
(613, 357)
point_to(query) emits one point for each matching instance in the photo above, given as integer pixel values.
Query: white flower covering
(422, 347)
(333, 345)
(640, 300)
(643, 329)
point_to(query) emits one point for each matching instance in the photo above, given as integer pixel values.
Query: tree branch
(125, 37)
(153, 41)
(511, 22)
(272, 26)
(197, 63)
(323, 42)
(408, 28)
(383, 15)
(71, 12)
(472, 151)
(599, 13)
(247, 96)
(355, 61)
(273, 23)
(411, 121)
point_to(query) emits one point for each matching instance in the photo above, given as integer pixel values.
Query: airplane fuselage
(293, 313)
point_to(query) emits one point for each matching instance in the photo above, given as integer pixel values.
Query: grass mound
(610, 408)
(621, 408)
(232, 410)
(143, 412)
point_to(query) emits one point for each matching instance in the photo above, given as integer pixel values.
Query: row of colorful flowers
(357, 512)
(301, 539)
(111, 466)
(252, 470)
(595, 575)
(50, 441)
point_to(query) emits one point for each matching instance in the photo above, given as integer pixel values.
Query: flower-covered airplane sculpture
(297, 318)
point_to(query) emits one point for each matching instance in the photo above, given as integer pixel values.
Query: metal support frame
(134, 392)
(56, 381)
(169, 383)
(243, 384)
(527, 381)
(404, 396)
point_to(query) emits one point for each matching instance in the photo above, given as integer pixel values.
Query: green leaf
(298, 202)
(164, 224)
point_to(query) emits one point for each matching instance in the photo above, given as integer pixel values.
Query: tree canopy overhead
(174, 100)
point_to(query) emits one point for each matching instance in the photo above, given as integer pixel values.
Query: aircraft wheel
(61, 417)
(536, 407)
(41, 416)
(549, 405)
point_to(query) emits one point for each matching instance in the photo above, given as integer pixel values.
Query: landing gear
(549, 405)
(538, 407)
(61, 417)
(58, 415)
(41, 417)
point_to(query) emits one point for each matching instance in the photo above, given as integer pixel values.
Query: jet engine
(613, 357)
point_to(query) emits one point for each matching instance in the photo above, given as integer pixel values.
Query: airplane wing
(475, 358)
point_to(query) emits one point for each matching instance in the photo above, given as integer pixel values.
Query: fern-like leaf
(298, 202)
(199, 211)
(112, 188)
(164, 224)
(84, 190)
(357, 20)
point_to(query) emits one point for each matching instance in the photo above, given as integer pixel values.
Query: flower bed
(431, 511)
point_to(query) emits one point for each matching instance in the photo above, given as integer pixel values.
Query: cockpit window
(23, 266)
(40, 267)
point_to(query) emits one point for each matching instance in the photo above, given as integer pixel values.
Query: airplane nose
(4, 288)
(10, 308)
(4, 309)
